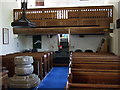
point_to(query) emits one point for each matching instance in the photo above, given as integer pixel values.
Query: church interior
(60, 44)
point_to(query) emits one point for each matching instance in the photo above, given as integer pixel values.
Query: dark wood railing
(69, 16)
(70, 20)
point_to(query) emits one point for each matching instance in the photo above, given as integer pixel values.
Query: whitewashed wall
(86, 42)
(0, 28)
(119, 42)
(115, 36)
(118, 30)
(15, 44)
(48, 44)
(67, 3)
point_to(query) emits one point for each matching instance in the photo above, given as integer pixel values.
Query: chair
(88, 50)
(78, 50)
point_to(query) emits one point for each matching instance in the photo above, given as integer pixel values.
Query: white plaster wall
(29, 42)
(67, 3)
(113, 40)
(6, 18)
(0, 28)
(48, 44)
(115, 36)
(86, 42)
(119, 9)
(15, 44)
(118, 29)
(119, 42)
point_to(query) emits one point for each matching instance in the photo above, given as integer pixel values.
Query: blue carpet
(56, 78)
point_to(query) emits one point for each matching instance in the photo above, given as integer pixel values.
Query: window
(39, 3)
(5, 36)
(37, 41)
(64, 36)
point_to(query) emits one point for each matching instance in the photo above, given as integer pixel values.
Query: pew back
(94, 71)
(41, 62)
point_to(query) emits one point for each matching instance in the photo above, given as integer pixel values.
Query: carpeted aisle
(56, 78)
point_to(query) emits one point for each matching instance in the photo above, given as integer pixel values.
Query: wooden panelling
(73, 14)
(37, 31)
(60, 30)
(41, 62)
(75, 86)
(63, 22)
(94, 71)
(93, 16)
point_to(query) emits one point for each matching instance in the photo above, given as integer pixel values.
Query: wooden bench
(93, 77)
(79, 54)
(94, 71)
(97, 65)
(89, 62)
(82, 86)
(96, 59)
(86, 79)
(41, 64)
(3, 80)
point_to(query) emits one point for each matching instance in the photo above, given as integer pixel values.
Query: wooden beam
(37, 31)
(88, 30)
(61, 30)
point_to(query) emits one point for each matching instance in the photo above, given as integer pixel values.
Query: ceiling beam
(61, 30)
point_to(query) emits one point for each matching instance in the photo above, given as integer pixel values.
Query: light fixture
(23, 22)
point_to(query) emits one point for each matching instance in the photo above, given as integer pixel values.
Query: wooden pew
(82, 86)
(94, 71)
(79, 54)
(49, 61)
(83, 57)
(97, 65)
(39, 62)
(107, 63)
(95, 59)
(93, 78)
(8, 62)
(44, 62)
